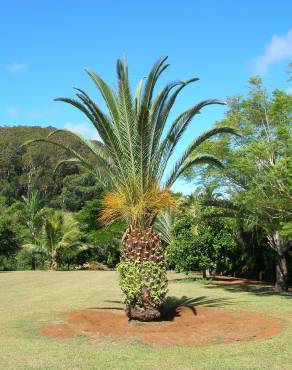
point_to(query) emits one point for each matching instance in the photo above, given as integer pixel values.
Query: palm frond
(182, 165)
(107, 94)
(66, 149)
(135, 207)
(163, 225)
(186, 156)
(177, 130)
(135, 148)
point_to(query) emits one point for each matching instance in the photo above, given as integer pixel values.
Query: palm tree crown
(136, 143)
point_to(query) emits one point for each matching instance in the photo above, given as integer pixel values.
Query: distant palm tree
(31, 215)
(57, 234)
(131, 161)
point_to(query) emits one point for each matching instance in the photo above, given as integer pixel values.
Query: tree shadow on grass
(184, 279)
(172, 305)
(232, 285)
(257, 288)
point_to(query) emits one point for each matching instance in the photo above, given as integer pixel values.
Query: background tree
(31, 216)
(9, 242)
(59, 232)
(258, 166)
(202, 242)
(77, 189)
(103, 242)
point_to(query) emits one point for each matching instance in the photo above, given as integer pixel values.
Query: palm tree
(57, 234)
(31, 213)
(31, 216)
(131, 160)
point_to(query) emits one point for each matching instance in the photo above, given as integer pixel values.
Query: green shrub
(9, 244)
(202, 243)
(104, 242)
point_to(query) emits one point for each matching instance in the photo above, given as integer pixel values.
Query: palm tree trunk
(144, 251)
(54, 263)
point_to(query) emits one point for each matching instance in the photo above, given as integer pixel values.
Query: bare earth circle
(189, 327)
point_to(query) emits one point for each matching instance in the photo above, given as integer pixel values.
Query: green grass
(30, 299)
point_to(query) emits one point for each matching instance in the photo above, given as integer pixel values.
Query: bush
(202, 243)
(8, 243)
(104, 242)
(106, 254)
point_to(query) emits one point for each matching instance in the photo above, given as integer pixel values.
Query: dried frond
(139, 207)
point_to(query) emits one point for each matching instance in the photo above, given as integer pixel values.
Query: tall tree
(130, 161)
(31, 216)
(257, 170)
(9, 242)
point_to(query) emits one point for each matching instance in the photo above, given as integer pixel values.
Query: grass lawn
(29, 300)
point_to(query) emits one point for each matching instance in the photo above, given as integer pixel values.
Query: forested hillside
(24, 168)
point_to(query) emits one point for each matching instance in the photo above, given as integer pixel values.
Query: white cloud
(12, 112)
(278, 49)
(16, 67)
(85, 129)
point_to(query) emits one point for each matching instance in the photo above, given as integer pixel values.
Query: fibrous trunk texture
(144, 250)
(53, 265)
(142, 245)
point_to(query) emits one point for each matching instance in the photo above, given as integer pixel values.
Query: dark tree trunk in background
(281, 246)
(33, 262)
(206, 273)
(282, 274)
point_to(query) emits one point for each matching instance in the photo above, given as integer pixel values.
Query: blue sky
(46, 44)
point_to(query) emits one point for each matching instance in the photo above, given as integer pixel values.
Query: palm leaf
(135, 148)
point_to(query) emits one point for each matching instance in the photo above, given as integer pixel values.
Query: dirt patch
(189, 327)
(60, 331)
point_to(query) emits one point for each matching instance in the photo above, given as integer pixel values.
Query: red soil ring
(60, 331)
(206, 325)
